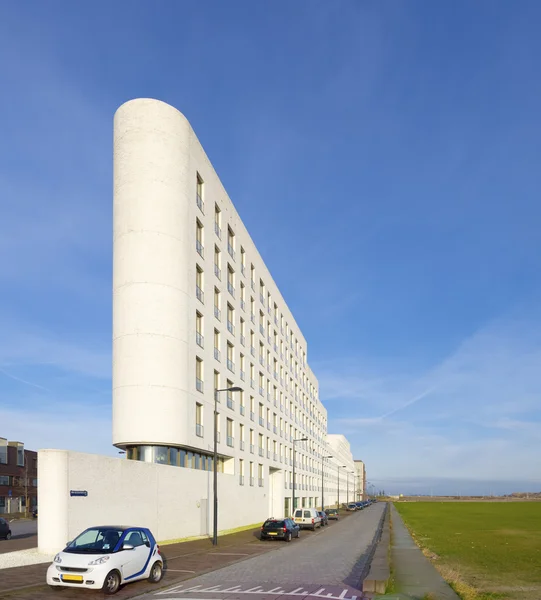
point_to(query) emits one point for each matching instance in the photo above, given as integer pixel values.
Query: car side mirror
(127, 547)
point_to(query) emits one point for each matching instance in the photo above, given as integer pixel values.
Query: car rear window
(272, 523)
(307, 514)
(298, 513)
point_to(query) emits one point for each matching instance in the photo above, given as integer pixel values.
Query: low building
(18, 478)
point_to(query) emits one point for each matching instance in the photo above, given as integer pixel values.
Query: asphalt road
(329, 565)
(24, 536)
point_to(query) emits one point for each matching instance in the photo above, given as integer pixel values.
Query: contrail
(408, 403)
(14, 377)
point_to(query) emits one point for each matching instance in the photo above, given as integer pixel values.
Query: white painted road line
(179, 571)
(257, 590)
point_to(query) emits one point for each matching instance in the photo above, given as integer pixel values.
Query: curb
(379, 573)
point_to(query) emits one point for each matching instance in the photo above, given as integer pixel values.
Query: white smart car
(104, 558)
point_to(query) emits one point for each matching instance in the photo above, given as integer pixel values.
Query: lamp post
(304, 439)
(338, 471)
(323, 482)
(215, 524)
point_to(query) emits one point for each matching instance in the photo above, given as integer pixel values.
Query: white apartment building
(195, 309)
(360, 481)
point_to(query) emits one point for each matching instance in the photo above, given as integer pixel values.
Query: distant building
(18, 478)
(360, 480)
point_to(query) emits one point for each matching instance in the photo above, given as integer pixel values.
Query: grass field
(485, 550)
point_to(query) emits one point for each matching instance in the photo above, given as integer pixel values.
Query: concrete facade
(360, 480)
(195, 309)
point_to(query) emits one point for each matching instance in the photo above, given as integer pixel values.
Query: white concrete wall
(173, 502)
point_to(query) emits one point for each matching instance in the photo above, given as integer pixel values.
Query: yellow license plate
(270, 533)
(77, 578)
(298, 520)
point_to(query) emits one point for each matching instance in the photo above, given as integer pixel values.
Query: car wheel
(288, 538)
(111, 585)
(156, 573)
(8, 535)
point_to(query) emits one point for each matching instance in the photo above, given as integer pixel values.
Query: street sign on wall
(78, 493)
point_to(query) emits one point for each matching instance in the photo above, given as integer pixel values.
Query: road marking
(257, 590)
(230, 553)
(180, 571)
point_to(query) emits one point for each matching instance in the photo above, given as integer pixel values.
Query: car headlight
(57, 559)
(99, 561)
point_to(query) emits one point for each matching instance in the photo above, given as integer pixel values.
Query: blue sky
(383, 156)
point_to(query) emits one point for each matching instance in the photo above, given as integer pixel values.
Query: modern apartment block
(195, 309)
(18, 478)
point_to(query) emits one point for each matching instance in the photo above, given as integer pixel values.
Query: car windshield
(96, 540)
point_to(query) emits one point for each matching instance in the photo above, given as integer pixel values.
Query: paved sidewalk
(414, 575)
(183, 561)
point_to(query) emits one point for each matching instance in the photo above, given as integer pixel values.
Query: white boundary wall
(173, 502)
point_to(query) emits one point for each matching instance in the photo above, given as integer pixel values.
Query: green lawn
(491, 546)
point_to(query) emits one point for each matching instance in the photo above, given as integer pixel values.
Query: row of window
(178, 457)
(15, 481)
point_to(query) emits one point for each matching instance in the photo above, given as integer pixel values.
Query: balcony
(243, 305)
(199, 384)
(252, 283)
(275, 456)
(260, 482)
(243, 340)
(199, 340)
(218, 313)
(261, 452)
(252, 416)
(269, 340)
(262, 361)
(230, 441)
(217, 354)
(275, 429)
(261, 391)
(262, 421)
(230, 288)
(252, 318)
(261, 330)
(252, 351)
(231, 250)
(252, 383)
(218, 230)
(241, 444)
(242, 410)
(199, 294)
(231, 365)
(242, 375)
(230, 403)
(243, 268)
(199, 430)
(218, 272)
(262, 298)
(200, 203)
(241, 480)
(230, 327)
(252, 481)
(200, 249)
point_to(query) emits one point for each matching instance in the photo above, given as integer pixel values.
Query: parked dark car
(352, 506)
(35, 513)
(279, 529)
(5, 531)
(324, 517)
(332, 513)
(360, 505)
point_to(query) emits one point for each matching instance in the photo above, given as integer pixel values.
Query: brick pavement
(333, 560)
(183, 561)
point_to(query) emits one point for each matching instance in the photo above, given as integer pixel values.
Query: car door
(135, 560)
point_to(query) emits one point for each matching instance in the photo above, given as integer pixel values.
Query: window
(241, 436)
(230, 357)
(230, 280)
(217, 354)
(262, 292)
(261, 446)
(242, 361)
(242, 296)
(261, 414)
(199, 238)
(231, 242)
(199, 339)
(5, 480)
(251, 473)
(199, 284)
(217, 262)
(199, 374)
(230, 319)
(217, 304)
(217, 382)
(260, 475)
(242, 260)
(199, 419)
(218, 221)
(252, 277)
(241, 471)
(3, 451)
(199, 193)
(242, 332)
(229, 432)
(252, 441)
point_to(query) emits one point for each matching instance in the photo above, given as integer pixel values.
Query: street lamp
(215, 524)
(304, 439)
(322, 482)
(338, 471)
